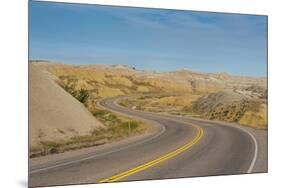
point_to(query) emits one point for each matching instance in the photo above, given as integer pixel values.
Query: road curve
(183, 147)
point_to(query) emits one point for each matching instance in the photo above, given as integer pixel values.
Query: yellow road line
(158, 160)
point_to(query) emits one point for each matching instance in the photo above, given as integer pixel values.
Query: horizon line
(149, 70)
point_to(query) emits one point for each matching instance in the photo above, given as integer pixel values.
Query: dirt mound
(209, 102)
(53, 113)
(232, 107)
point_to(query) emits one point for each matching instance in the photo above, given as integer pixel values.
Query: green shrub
(99, 113)
(82, 95)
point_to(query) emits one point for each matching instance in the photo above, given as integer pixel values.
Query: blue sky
(149, 39)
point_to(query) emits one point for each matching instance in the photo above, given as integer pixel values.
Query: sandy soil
(53, 113)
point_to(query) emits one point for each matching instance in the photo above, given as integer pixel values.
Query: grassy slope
(244, 111)
(116, 127)
(187, 101)
(188, 91)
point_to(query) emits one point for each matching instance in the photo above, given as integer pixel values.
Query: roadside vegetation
(115, 128)
(82, 95)
(224, 106)
(245, 105)
(183, 92)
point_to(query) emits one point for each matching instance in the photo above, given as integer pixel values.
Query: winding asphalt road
(178, 147)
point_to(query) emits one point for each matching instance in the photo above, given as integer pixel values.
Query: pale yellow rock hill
(54, 114)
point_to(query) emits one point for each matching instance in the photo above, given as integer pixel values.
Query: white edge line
(255, 154)
(163, 129)
(253, 162)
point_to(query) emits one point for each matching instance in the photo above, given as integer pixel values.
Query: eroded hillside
(60, 120)
(212, 96)
(53, 112)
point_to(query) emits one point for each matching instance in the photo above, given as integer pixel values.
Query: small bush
(83, 95)
(99, 113)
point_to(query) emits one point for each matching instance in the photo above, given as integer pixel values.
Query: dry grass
(255, 118)
(224, 106)
(202, 95)
(101, 82)
(116, 128)
(174, 104)
(232, 107)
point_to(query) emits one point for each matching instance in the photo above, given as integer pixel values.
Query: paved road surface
(181, 147)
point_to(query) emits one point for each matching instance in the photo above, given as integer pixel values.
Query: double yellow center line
(154, 162)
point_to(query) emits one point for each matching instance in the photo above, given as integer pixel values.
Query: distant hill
(218, 96)
(122, 79)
